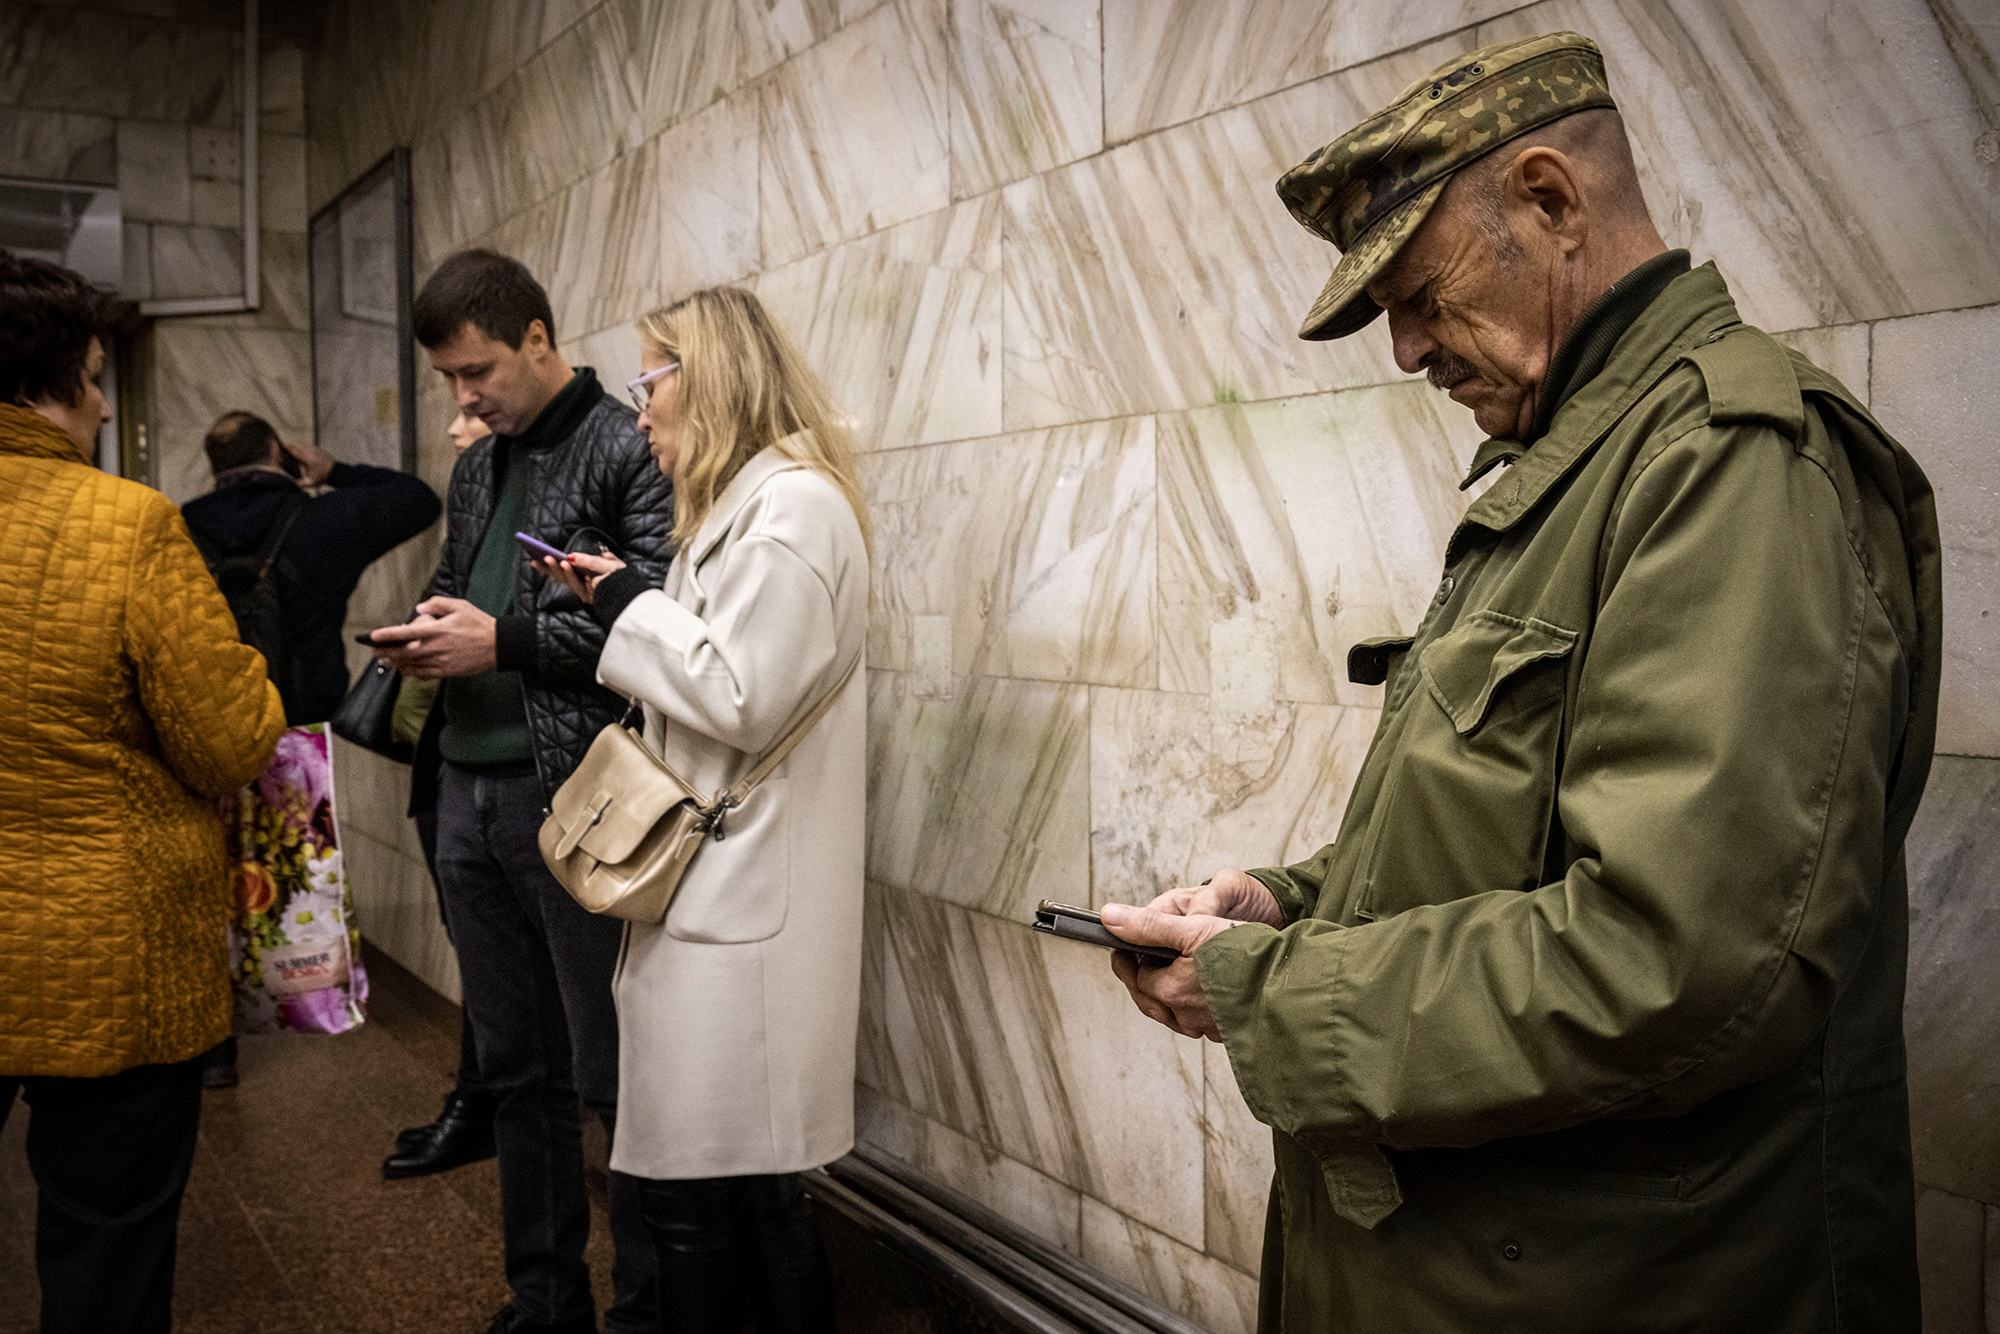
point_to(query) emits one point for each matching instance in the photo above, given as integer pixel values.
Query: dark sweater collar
(560, 417)
(1587, 345)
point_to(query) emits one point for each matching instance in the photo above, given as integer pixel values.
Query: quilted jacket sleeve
(214, 709)
(639, 504)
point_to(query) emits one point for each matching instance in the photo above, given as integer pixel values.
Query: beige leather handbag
(622, 830)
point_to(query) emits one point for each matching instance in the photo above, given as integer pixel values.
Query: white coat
(737, 1014)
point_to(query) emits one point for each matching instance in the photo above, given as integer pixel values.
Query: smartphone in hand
(538, 548)
(1072, 923)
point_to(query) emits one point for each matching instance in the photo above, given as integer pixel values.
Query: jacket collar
(29, 434)
(765, 464)
(1693, 307)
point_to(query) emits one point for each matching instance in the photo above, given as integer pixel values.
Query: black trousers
(721, 1238)
(537, 973)
(111, 1157)
(468, 1051)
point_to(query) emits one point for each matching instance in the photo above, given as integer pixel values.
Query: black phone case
(1072, 923)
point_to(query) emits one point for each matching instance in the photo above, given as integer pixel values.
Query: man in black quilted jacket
(519, 705)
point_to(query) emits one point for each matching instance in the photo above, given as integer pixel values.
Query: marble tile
(136, 280)
(982, 798)
(281, 178)
(282, 292)
(1038, 547)
(197, 261)
(398, 72)
(1936, 385)
(853, 132)
(1166, 274)
(692, 58)
(90, 62)
(613, 353)
(1822, 155)
(153, 180)
(58, 146)
(1167, 61)
(215, 203)
(1026, 89)
(281, 91)
(1198, 1287)
(904, 325)
(770, 32)
(1951, 1262)
(202, 372)
(1038, 1203)
(1314, 522)
(1841, 350)
(1951, 1010)
(595, 246)
(707, 207)
(1029, 1045)
(396, 906)
(1237, 1167)
(1177, 793)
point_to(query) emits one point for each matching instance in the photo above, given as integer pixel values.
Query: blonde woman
(737, 1013)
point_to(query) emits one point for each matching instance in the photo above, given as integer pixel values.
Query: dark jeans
(537, 972)
(468, 1050)
(111, 1158)
(722, 1238)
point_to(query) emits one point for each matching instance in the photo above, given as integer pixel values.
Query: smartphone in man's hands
(1073, 923)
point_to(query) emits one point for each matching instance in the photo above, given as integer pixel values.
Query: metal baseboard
(1018, 1280)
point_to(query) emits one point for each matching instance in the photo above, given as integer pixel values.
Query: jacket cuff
(615, 593)
(1280, 884)
(513, 643)
(1236, 968)
(345, 474)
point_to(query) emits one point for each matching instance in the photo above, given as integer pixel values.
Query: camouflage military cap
(1369, 190)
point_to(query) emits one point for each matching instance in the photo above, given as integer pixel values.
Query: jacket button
(1444, 590)
(1511, 1251)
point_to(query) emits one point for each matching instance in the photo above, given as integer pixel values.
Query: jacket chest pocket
(1470, 795)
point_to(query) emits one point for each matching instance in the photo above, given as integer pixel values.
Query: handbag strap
(776, 755)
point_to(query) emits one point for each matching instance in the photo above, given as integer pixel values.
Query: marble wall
(1127, 524)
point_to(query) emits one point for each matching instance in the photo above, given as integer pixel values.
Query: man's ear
(535, 339)
(1545, 182)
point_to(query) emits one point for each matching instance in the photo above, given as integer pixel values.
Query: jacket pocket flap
(615, 797)
(1464, 667)
(1368, 660)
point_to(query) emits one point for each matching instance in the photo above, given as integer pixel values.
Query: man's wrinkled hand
(449, 637)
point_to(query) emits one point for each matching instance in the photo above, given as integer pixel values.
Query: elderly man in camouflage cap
(1590, 1017)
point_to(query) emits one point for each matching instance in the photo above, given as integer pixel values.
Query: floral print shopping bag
(294, 950)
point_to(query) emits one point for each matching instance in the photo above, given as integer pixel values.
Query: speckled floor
(288, 1227)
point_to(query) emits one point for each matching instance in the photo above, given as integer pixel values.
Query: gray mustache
(1448, 370)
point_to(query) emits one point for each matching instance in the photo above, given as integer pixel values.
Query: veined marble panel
(201, 373)
(153, 171)
(613, 353)
(854, 132)
(281, 91)
(58, 146)
(1237, 1166)
(1306, 524)
(92, 62)
(596, 245)
(394, 903)
(1038, 548)
(770, 32)
(982, 798)
(1168, 61)
(1166, 274)
(1936, 386)
(281, 180)
(1037, 1202)
(904, 326)
(1180, 789)
(510, 32)
(282, 287)
(1030, 1045)
(1200, 1287)
(1823, 155)
(197, 261)
(1026, 89)
(707, 213)
(396, 71)
(692, 58)
(554, 121)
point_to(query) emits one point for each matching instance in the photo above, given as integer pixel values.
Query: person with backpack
(287, 560)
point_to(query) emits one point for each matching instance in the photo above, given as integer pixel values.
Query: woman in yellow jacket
(127, 704)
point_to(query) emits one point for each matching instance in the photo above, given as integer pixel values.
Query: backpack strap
(275, 535)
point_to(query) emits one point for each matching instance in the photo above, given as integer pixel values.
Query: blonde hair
(743, 388)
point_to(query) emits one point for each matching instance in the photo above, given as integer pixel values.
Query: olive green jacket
(1590, 1018)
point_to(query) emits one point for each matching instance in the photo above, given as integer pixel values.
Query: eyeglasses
(641, 389)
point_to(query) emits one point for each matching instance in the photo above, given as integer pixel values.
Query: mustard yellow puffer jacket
(127, 704)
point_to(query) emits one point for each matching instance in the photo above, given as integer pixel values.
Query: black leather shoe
(463, 1133)
(510, 1321)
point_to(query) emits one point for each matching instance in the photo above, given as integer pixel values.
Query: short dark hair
(494, 294)
(48, 315)
(237, 440)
